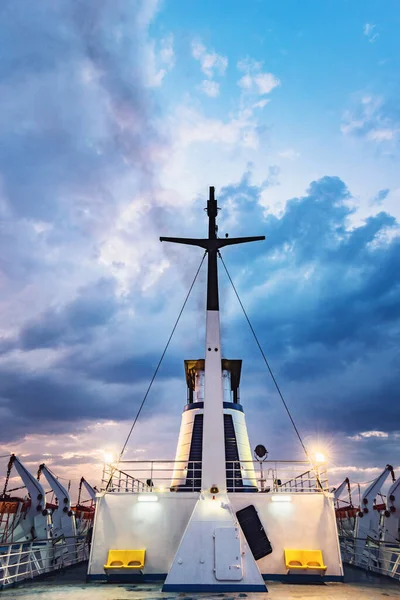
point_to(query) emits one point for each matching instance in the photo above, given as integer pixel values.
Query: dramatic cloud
(324, 298)
(80, 145)
(70, 324)
(108, 142)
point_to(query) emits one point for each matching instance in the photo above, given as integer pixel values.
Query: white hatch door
(228, 557)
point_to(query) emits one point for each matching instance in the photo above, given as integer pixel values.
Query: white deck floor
(70, 586)
(277, 591)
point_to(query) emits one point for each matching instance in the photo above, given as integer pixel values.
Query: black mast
(212, 244)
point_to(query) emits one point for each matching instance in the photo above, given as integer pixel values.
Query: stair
(234, 481)
(193, 478)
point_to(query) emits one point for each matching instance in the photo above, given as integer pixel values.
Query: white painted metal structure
(337, 492)
(194, 538)
(297, 520)
(390, 526)
(367, 524)
(90, 490)
(35, 522)
(42, 540)
(231, 408)
(63, 519)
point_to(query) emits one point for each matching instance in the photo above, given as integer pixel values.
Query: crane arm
(61, 494)
(374, 488)
(35, 489)
(91, 491)
(337, 492)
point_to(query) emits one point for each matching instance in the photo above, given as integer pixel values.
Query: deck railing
(26, 560)
(241, 476)
(371, 555)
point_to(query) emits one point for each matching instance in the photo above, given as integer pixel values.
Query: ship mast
(213, 462)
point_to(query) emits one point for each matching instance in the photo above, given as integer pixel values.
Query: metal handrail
(183, 475)
(26, 560)
(377, 556)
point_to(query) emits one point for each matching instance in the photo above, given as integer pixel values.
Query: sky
(116, 117)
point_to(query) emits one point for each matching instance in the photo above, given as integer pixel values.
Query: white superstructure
(213, 528)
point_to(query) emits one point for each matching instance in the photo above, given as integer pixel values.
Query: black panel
(193, 478)
(254, 532)
(197, 405)
(234, 481)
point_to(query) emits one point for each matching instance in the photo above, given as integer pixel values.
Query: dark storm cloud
(78, 144)
(322, 294)
(59, 401)
(88, 305)
(122, 368)
(328, 310)
(73, 102)
(72, 323)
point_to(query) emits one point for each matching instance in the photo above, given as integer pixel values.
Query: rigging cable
(157, 368)
(266, 361)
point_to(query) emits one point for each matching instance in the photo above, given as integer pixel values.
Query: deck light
(149, 497)
(281, 498)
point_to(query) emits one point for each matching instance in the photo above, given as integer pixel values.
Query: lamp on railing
(261, 454)
(319, 468)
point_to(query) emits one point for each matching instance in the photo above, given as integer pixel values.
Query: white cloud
(210, 88)
(211, 63)
(289, 154)
(255, 79)
(167, 55)
(354, 469)
(370, 32)
(266, 82)
(195, 127)
(261, 103)
(376, 434)
(382, 135)
(160, 62)
(368, 434)
(373, 119)
(245, 82)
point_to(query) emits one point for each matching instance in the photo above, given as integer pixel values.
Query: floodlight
(260, 451)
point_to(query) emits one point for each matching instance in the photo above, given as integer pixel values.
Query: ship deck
(70, 585)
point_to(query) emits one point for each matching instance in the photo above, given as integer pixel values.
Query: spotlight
(260, 452)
